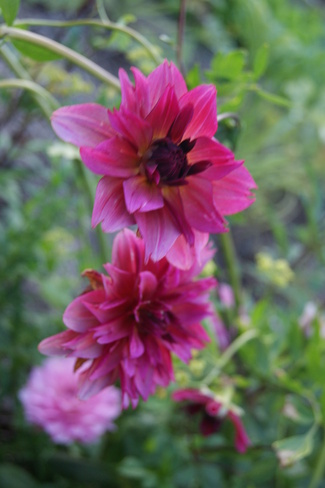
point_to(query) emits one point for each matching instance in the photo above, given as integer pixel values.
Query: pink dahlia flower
(162, 168)
(213, 414)
(129, 322)
(50, 401)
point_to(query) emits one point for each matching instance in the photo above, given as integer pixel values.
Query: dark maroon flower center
(168, 160)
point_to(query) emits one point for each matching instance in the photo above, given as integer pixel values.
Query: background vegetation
(267, 59)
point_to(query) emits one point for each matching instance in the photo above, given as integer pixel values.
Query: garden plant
(162, 244)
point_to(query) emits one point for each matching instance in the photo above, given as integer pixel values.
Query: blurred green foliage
(267, 60)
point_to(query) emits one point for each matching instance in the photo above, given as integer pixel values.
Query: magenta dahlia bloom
(213, 414)
(162, 168)
(50, 401)
(128, 323)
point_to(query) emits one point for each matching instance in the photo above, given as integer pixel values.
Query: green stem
(237, 344)
(30, 86)
(318, 475)
(101, 11)
(87, 186)
(21, 73)
(61, 50)
(228, 249)
(105, 24)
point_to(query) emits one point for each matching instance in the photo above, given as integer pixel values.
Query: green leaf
(261, 61)
(292, 449)
(228, 66)
(35, 52)
(14, 476)
(9, 10)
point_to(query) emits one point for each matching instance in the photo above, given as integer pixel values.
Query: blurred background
(267, 60)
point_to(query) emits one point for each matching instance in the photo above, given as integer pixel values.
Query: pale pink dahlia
(129, 322)
(50, 401)
(213, 414)
(162, 168)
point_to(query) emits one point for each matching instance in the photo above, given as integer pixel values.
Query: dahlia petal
(77, 316)
(128, 251)
(166, 74)
(158, 230)
(132, 127)
(88, 388)
(183, 118)
(184, 256)
(135, 97)
(114, 331)
(123, 281)
(232, 194)
(189, 313)
(204, 120)
(112, 307)
(141, 195)
(115, 157)
(163, 113)
(190, 394)
(107, 363)
(147, 285)
(136, 345)
(174, 202)
(210, 150)
(82, 125)
(54, 345)
(83, 346)
(199, 207)
(242, 441)
(109, 206)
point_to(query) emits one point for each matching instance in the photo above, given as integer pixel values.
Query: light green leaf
(9, 10)
(292, 449)
(261, 61)
(228, 66)
(32, 51)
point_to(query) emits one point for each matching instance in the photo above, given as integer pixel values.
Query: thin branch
(60, 49)
(105, 24)
(180, 35)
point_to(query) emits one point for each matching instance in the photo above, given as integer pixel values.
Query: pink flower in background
(213, 415)
(162, 168)
(50, 401)
(129, 322)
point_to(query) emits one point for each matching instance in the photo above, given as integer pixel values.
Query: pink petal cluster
(50, 401)
(129, 322)
(162, 168)
(213, 414)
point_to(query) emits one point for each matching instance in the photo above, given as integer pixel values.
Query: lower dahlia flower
(162, 168)
(128, 323)
(213, 414)
(50, 401)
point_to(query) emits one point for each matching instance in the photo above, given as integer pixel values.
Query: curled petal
(132, 127)
(233, 193)
(199, 207)
(221, 158)
(128, 251)
(163, 113)
(115, 157)
(85, 124)
(142, 195)
(77, 316)
(204, 120)
(109, 206)
(163, 76)
(158, 230)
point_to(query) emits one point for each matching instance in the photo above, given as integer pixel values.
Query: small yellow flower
(277, 271)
